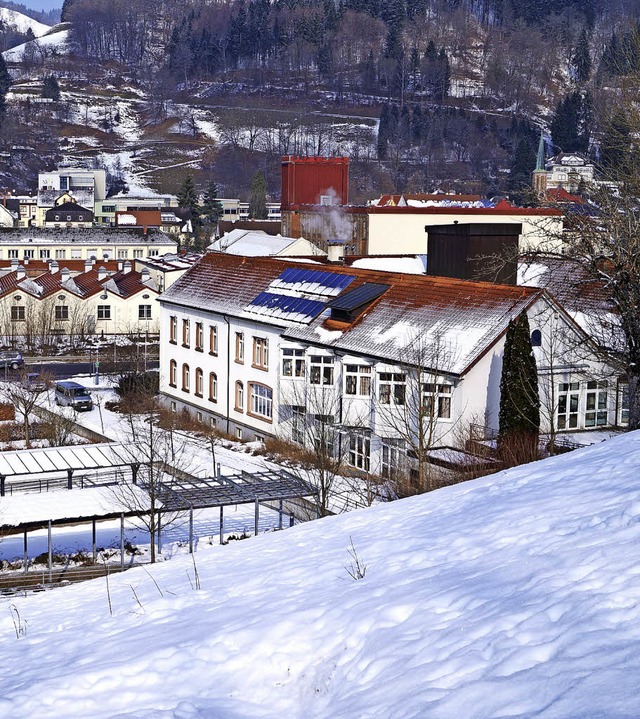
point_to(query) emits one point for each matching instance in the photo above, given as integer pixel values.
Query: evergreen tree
(188, 200)
(65, 13)
(369, 76)
(258, 200)
(212, 207)
(615, 150)
(581, 60)
(570, 126)
(519, 416)
(384, 131)
(50, 88)
(5, 78)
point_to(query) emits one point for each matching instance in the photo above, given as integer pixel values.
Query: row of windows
(61, 312)
(76, 254)
(260, 396)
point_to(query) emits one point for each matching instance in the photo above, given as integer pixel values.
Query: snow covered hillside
(22, 23)
(516, 595)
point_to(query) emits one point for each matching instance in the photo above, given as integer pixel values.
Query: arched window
(173, 372)
(536, 338)
(213, 386)
(239, 396)
(199, 381)
(185, 377)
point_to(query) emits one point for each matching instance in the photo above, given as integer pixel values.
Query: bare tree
(25, 395)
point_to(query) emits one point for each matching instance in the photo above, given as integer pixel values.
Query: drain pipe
(226, 319)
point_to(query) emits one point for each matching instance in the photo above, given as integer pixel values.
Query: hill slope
(22, 23)
(514, 595)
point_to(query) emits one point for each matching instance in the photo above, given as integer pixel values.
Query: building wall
(404, 232)
(315, 181)
(60, 249)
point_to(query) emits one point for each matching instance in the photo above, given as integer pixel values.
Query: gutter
(226, 319)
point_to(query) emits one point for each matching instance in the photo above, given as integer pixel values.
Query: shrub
(138, 384)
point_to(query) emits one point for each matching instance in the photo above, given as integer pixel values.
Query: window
(392, 388)
(536, 338)
(186, 331)
(596, 414)
(357, 381)
(261, 400)
(57, 218)
(323, 434)
(298, 416)
(239, 347)
(359, 451)
(173, 329)
(144, 312)
(261, 353)
(185, 378)
(123, 254)
(104, 312)
(17, 313)
(137, 254)
(436, 400)
(292, 363)
(213, 340)
(45, 254)
(239, 433)
(61, 312)
(174, 407)
(568, 401)
(29, 254)
(213, 387)
(623, 415)
(199, 417)
(173, 373)
(76, 254)
(199, 382)
(239, 396)
(154, 253)
(61, 254)
(69, 218)
(321, 370)
(199, 337)
(393, 458)
(12, 254)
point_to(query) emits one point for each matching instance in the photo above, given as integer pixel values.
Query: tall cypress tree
(519, 418)
(188, 200)
(258, 200)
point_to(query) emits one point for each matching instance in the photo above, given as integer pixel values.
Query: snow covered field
(516, 595)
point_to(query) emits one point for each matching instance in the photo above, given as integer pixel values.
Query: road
(69, 367)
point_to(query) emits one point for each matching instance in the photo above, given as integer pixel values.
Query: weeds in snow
(356, 568)
(19, 624)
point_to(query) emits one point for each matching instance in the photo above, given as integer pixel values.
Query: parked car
(11, 359)
(72, 394)
(34, 381)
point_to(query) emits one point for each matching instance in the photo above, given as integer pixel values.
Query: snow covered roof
(464, 317)
(251, 243)
(85, 236)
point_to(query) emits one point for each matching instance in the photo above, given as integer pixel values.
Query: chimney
(335, 250)
(145, 275)
(53, 267)
(119, 265)
(64, 274)
(21, 272)
(127, 267)
(87, 265)
(102, 273)
(14, 264)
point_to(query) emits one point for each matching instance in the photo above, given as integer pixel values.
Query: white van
(72, 394)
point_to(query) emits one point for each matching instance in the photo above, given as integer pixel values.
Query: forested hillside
(420, 93)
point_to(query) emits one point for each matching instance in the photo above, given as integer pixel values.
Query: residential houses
(265, 347)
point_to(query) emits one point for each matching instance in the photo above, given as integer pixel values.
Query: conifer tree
(581, 59)
(50, 88)
(212, 207)
(258, 200)
(5, 78)
(519, 417)
(188, 200)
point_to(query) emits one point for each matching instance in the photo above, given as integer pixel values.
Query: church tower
(540, 174)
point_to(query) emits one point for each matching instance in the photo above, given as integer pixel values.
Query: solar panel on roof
(328, 280)
(353, 299)
(285, 304)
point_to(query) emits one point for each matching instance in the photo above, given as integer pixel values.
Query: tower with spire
(540, 173)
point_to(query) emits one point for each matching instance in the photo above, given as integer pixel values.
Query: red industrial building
(314, 181)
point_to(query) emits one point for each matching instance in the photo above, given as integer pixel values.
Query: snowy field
(515, 595)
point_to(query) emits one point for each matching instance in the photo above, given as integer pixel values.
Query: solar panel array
(287, 297)
(287, 307)
(315, 282)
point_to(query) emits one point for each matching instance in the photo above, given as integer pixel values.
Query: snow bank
(511, 596)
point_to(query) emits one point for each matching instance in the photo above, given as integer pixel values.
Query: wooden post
(221, 525)
(49, 549)
(26, 552)
(2, 482)
(159, 525)
(191, 529)
(292, 519)
(122, 540)
(280, 514)
(257, 518)
(93, 539)
(69, 479)
(134, 472)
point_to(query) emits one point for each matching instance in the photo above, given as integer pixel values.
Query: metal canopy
(182, 494)
(61, 459)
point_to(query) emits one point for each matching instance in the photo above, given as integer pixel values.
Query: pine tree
(581, 59)
(65, 13)
(50, 88)
(188, 200)
(519, 416)
(384, 131)
(258, 200)
(5, 78)
(212, 207)
(570, 126)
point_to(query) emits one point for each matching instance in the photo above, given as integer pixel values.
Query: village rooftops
(463, 319)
